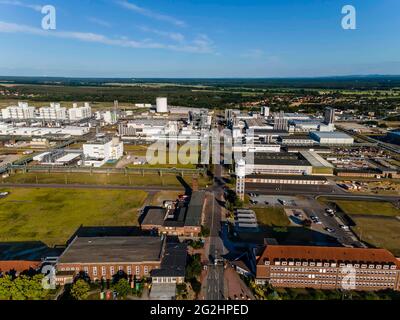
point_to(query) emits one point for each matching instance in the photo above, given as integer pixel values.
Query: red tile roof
(342, 254)
(18, 265)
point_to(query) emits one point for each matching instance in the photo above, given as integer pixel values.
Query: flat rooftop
(332, 134)
(154, 216)
(195, 209)
(280, 158)
(112, 249)
(173, 263)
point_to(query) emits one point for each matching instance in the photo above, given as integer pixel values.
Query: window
(103, 271)
(137, 270)
(94, 271)
(86, 269)
(120, 268)
(129, 270)
(146, 270)
(112, 270)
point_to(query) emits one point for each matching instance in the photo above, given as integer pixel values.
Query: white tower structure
(162, 105)
(265, 111)
(240, 171)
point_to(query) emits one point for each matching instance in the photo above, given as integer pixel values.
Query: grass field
(379, 232)
(53, 215)
(101, 179)
(272, 216)
(378, 208)
(375, 222)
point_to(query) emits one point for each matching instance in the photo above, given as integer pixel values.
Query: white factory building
(54, 112)
(10, 130)
(148, 128)
(19, 112)
(332, 138)
(79, 113)
(98, 152)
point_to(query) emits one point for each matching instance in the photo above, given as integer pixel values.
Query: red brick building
(101, 258)
(180, 220)
(328, 268)
(104, 257)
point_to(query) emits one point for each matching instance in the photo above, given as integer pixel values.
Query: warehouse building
(332, 138)
(279, 163)
(324, 267)
(286, 179)
(98, 152)
(394, 137)
(14, 131)
(103, 257)
(177, 218)
(296, 140)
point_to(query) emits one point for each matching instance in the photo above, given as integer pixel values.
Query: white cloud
(254, 54)
(176, 36)
(201, 44)
(150, 14)
(21, 4)
(99, 22)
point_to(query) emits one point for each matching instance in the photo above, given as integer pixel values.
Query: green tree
(28, 288)
(5, 287)
(122, 287)
(196, 285)
(193, 268)
(80, 290)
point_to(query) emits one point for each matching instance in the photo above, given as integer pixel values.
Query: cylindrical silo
(162, 105)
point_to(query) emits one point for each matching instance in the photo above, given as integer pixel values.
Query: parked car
(346, 228)
(330, 230)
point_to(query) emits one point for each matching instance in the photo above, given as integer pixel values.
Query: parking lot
(301, 208)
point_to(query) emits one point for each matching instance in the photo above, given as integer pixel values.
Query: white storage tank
(162, 105)
(240, 169)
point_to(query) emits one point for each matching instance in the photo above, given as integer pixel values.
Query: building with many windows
(22, 111)
(328, 268)
(98, 152)
(53, 113)
(104, 257)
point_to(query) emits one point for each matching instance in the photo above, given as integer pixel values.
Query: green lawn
(53, 215)
(102, 179)
(378, 208)
(379, 232)
(375, 222)
(272, 216)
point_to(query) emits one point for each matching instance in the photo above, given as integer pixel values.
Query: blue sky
(199, 38)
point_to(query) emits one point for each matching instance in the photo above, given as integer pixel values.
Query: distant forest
(202, 93)
(373, 82)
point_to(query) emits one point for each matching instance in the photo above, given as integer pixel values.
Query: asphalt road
(215, 275)
(287, 189)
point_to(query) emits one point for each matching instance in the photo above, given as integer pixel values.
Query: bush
(122, 288)
(80, 290)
